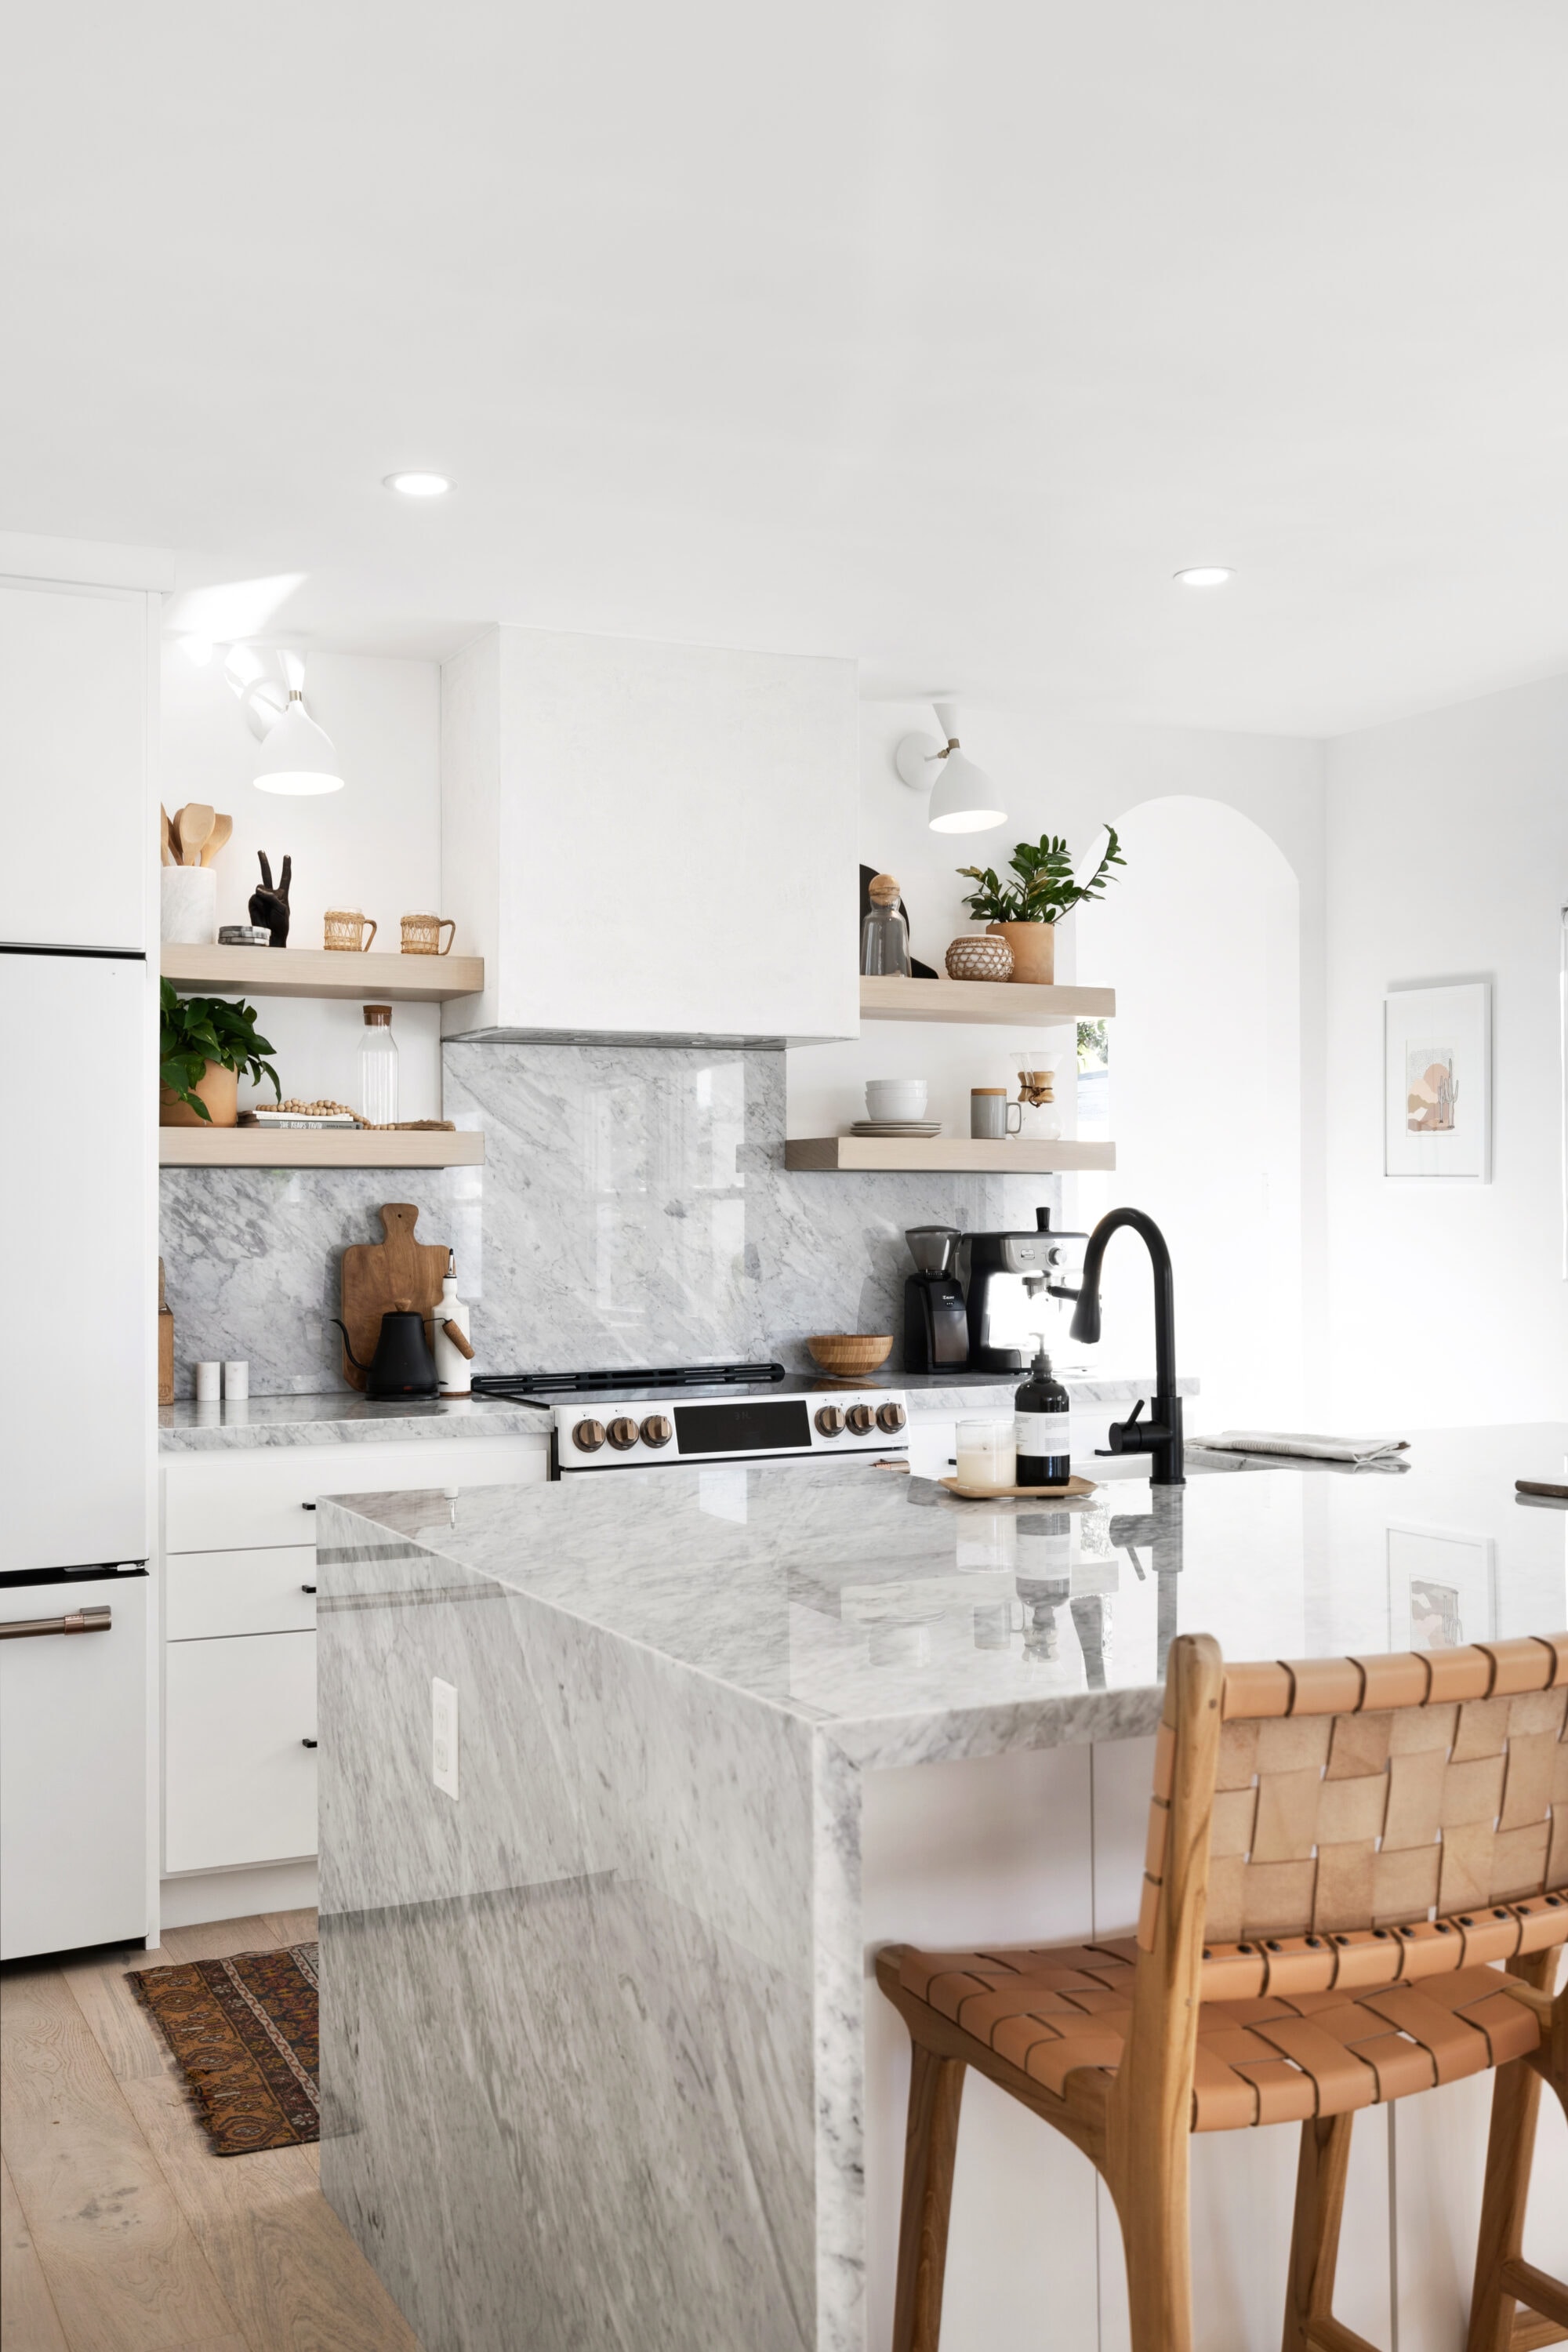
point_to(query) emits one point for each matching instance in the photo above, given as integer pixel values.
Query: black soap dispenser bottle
(1043, 1406)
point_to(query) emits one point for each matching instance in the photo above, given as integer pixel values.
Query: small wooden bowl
(850, 1354)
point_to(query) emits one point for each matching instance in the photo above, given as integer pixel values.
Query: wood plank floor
(120, 2230)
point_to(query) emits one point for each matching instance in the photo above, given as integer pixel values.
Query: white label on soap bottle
(1042, 1432)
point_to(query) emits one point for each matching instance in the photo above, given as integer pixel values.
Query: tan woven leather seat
(1355, 1889)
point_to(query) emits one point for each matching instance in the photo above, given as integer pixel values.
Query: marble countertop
(914, 1625)
(344, 1417)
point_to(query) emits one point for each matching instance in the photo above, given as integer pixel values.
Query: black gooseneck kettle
(402, 1365)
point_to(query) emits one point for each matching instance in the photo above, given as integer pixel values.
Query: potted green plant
(204, 1044)
(1025, 911)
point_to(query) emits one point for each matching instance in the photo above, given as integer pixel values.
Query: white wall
(376, 845)
(1448, 861)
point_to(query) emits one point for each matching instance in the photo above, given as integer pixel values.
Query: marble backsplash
(634, 1208)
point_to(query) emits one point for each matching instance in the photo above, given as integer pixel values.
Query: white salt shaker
(209, 1378)
(236, 1380)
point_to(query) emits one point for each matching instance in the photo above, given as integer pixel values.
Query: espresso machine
(1047, 1260)
(936, 1327)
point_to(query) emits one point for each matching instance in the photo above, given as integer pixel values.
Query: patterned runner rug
(245, 2034)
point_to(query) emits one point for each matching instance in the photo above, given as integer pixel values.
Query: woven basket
(980, 959)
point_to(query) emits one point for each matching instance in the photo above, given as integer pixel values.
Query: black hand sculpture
(270, 905)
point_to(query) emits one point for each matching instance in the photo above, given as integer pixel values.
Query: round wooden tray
(1075, 1486)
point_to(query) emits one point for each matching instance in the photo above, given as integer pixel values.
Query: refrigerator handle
(78, 1621)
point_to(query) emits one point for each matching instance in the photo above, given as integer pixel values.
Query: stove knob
(622, 1434)
(860, 1418)
(891, 1417)
(588, 1436)
(657, 1430)
(829, 1419)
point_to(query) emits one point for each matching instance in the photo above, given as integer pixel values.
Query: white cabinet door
(73, 1771)
(221, 1501)
(73, 766)
(208, 1594)
(239, 1782)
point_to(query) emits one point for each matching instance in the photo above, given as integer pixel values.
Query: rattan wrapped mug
(422, 934)
(346, 931)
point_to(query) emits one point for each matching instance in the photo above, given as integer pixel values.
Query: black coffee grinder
(936, 1327)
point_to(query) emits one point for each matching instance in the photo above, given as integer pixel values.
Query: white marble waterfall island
(601, 2061)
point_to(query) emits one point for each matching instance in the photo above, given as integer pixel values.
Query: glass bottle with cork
(884, 934)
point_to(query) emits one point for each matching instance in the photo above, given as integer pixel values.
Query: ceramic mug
(421, 934)
(345, 930)
(991, 1114)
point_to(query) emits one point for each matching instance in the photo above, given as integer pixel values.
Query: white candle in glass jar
(987, 1454)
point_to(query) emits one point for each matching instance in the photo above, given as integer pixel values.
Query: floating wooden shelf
(316, 1146)
(943, 1154)
(321, 972)
(1018, 1004)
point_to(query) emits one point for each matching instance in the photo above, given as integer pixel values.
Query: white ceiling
(936, 334)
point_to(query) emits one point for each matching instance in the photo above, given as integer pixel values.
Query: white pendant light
(963, 797)
(297, 755)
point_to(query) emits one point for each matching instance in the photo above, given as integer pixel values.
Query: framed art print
(1437, 1083)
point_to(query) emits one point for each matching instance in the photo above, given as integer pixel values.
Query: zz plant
(1045, 889)
(195, 1030)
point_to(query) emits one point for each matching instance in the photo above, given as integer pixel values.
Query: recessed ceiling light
(418, 485)
(1206, 575)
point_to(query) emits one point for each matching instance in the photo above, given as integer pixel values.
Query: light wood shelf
(942, 1154)
(315, 1147)
(322, 972)
(1017, 1004)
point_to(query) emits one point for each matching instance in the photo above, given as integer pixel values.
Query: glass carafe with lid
(378, 1068)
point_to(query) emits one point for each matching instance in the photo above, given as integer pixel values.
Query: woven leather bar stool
(1351, 1894)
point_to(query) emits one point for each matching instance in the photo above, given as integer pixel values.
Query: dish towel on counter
(1303, 1445)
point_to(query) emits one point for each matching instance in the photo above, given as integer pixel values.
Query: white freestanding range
(77, 1008)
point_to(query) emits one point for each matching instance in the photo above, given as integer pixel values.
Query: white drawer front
(208, 1593)
(222, 1502)
(239, 1785)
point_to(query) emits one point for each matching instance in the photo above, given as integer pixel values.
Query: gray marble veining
(342, 1417)
(592, 2032)
(633, 1208)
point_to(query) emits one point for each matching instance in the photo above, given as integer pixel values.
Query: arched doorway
(1201, 939)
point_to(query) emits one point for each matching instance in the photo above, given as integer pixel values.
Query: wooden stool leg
(1510, 2147)
(930, 2144)
(1151, 2204)
(1516, 2102)
(1315, 2241)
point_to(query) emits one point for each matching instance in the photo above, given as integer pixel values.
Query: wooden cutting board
(379, 1276)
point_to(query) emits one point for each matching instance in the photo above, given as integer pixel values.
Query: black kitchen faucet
(1161, 1436)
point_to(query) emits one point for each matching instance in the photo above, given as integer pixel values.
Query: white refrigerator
(76, 1412)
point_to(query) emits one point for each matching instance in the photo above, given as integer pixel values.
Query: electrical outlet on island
(444, 1736)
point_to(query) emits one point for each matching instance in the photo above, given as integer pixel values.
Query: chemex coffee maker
(973, 1327)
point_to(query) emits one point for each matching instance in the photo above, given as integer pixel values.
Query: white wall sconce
(963, 797)
(297, 756)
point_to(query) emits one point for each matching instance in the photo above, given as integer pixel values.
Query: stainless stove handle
(78, 1621)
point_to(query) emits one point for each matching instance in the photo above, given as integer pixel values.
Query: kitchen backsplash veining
(634, 1208)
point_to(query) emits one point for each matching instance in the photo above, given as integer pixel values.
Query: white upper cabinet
(651, 840)
(75, 737)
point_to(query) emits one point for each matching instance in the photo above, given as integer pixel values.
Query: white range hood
(650, 840)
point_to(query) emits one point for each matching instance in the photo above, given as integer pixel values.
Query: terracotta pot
(1033, 947)
(218, 1088)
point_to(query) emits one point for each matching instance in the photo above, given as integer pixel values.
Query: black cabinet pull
(307, 1743)
(307, 1507)
(307, 1588)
